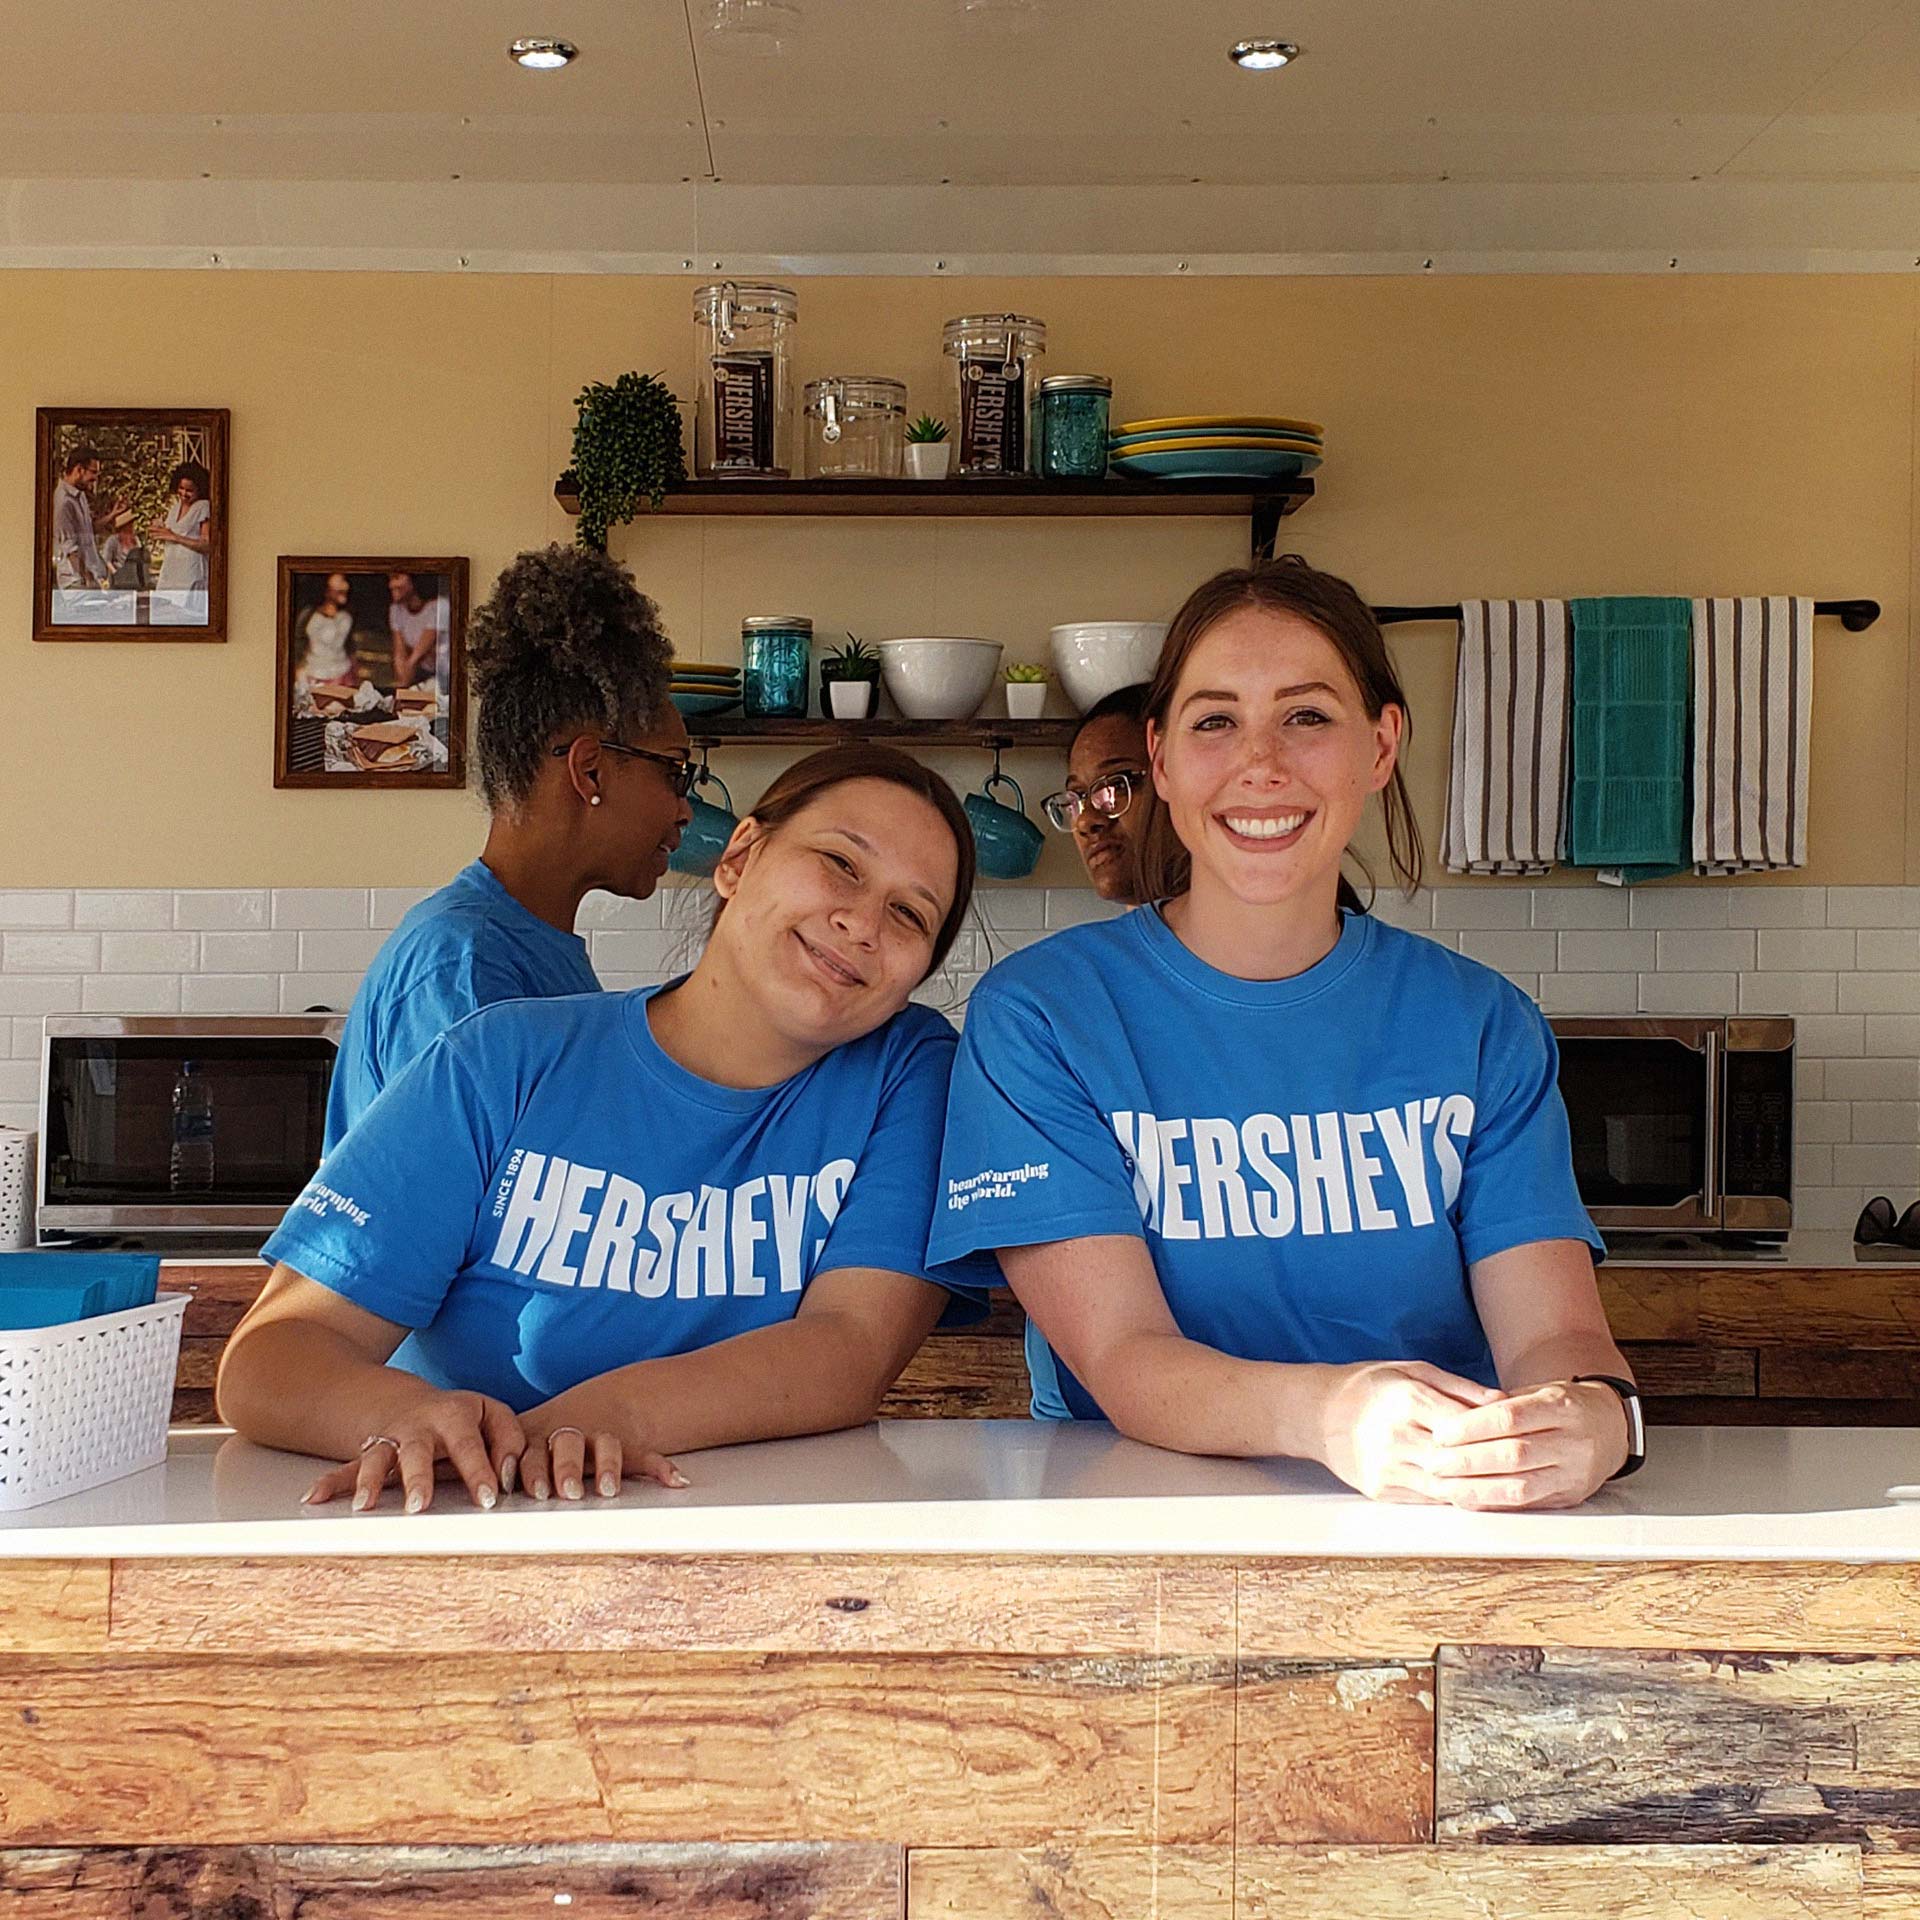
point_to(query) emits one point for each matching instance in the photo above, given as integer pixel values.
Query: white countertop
(1027, 1487)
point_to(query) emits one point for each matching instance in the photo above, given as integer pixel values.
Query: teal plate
(694, 705)
(1227, 464)
(1119, 441)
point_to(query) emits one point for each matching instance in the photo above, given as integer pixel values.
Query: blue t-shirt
(460, 949)
(544, 1195)
(1313, 1162)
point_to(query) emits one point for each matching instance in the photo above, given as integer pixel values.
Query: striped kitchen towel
(1753, 707)
(1507, 784)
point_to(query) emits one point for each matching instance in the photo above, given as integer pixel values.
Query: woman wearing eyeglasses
(1107, 792)
(577, 1236)
(583, 761)
(1269, 1176)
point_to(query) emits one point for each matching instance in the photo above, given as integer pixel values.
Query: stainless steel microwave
(1681, 1124)
(170, 1125)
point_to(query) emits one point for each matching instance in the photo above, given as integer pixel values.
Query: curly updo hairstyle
(564, 641)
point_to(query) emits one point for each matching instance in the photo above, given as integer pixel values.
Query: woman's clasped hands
(1406, 1431)
(483, 1443)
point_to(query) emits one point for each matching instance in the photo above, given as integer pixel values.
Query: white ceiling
(1007, 131)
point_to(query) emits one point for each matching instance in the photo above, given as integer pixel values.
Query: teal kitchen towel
(1627, 792)
(49, 1289)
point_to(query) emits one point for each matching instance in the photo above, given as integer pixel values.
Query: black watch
(1636, 1421)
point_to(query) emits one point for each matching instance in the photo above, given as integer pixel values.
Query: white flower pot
(1026, 699)
(850, 699)
(927, 459)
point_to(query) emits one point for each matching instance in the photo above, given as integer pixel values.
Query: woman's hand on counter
(575, 1430)
(1549, 1446)
(469, 1436)
(1377, 1423)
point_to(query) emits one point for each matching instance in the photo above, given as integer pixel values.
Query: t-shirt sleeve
(387, 1219)
(1028, 1155)
(883, 1219)
(1516, 1181)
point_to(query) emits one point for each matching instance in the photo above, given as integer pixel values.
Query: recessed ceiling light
(1261, 56)
(542, 54)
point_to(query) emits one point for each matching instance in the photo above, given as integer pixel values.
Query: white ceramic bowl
(1096, 657)
(939, 679)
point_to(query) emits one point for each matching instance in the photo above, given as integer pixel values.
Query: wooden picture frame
(131, 545)
(336, 630)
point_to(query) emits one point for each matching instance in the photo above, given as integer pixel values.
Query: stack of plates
(1217, 446)
(705, 686)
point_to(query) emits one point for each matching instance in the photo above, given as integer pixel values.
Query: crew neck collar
(1169, 952)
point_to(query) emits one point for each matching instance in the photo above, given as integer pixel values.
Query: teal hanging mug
(704, 838)
(1006, 842)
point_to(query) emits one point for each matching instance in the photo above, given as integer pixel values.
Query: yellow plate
(1173, 423)
(1223, 442)
(707, 666)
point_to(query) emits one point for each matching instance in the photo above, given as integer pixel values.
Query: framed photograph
(130, 523)
(370, 689)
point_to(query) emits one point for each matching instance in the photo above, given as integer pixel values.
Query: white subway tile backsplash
(230, 993)
(336, 951)
(301, 991)
(390, 904)
(1511, 950)
(1887, 1120)
(1777, 907)
(1690, 993)
(1011, 909)
(1892, 1035)
(1807, 949)
(149, 952)
(127, 911)
(251, 952)
(610, 910)
(1703, 907)
(39, 993)
(299, 908)
(1821, 1121)
(1882, 1167)
(19, 1080)
(1704, 950)
(1482, 908)
(49, 952)
(28, 1032)
(1794, 993)
(645, 950)
(1869, 1079)
(1075, 906)
(49, 908)
(24, 1115)
(1392, 908)
(1608, 953)
(235, 910)
(130, 992)
(1809, 1078)
(1880, 993)
(1591, 908)
(1828, 1209)
(1882, 948)
(1830, 1036)
(1812, 1166)
(1589, 993)
(1873, 906)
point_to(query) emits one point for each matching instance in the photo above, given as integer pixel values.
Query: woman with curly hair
(583, 762)
(578, 1236)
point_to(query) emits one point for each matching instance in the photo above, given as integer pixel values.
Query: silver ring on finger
(554, 1433)
(379, 1440)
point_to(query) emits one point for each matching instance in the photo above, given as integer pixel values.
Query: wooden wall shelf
(742, 730)
(1019, 496)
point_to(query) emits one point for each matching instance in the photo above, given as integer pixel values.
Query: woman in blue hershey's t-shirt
(1269, 1176)
(616, 1226)
(576, 742)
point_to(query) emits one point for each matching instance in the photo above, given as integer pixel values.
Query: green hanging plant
(626, 448)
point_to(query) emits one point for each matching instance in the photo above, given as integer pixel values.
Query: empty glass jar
(856, 427)
(743, 419)
(1073, 425)
(996, 364)
(776, 651)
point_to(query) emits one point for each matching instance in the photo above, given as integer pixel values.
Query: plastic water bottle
(190, 1163)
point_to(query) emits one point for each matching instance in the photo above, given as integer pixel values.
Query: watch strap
(1636, 1419)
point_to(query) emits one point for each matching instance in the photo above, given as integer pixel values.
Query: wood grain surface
(220, 1750)
(1570, 1745)
(54, 1606)
(1386, 1883)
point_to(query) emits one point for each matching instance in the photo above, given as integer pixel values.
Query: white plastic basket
(16, 1189)
(86, 1402)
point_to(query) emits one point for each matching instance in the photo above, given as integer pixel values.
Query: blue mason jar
(1072, 434)
(776, 650)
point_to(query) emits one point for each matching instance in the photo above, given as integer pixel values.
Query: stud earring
(595, 801)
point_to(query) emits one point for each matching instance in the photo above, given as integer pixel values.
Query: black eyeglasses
(681, 772)
(1109, 796)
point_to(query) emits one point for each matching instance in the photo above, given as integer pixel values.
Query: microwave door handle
(1710, 1184)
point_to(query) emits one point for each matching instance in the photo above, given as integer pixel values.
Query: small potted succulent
(1026, 690)
(849, 681)
(927, 448)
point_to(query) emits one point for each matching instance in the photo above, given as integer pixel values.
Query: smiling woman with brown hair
(613, 1227)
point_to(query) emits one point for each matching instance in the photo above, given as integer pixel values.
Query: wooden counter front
(363, 1733)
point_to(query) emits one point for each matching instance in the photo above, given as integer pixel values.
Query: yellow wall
(1496, 436)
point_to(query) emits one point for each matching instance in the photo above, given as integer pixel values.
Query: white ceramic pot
(850, 699)
(1097, 657)
(939, 678)
(928, 459)
(1026, 699)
